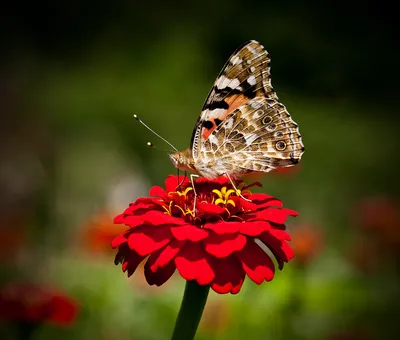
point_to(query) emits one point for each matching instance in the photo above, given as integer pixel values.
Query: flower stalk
(191, 310)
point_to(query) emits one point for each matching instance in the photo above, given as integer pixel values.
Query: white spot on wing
(251, 80)
(250, 138)
(236, 60)
(256, 105)
(252, 69)
(216, 113)
(257, 114)
(229, 123)
(252, 49)
(224, 82)
(213, 139)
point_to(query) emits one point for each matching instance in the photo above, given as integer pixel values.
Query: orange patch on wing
(234, 102)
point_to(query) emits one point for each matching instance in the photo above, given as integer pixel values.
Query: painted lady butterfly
(242, 128)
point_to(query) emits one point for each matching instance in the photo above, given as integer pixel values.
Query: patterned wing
(259, 136)
(244, 77)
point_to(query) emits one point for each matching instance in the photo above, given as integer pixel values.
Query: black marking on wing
(217, 105)
(226, 91)
(249, 90)
(208, 124)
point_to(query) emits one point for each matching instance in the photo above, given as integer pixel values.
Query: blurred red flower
(351, 335)
(379, 217)
(366, 254)
(217, 244)
(99, 232)
(34, 304)
(13, 237)
(307, 242)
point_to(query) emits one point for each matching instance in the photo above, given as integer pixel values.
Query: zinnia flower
(216, 239)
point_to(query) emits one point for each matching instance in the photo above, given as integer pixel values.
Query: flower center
(181, 203)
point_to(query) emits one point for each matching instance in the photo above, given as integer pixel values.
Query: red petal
(258, 204)
(149, 239)
(278, 216)
(133, 221)
(256, 263)
(157, 191)
(222, 180)
(280, 234)
(280, 249)
(224, 245)
(222, 227)
(209, 208)
(119, 219)
(172, 182)
(254, 228)
(157, 218)
(141, 205)
(118, 240)
(192, 263)
(130, 260)
(160, 276)
(229, 275)
(259, 198)
(166, 255)
(189, 232)
(153, 217)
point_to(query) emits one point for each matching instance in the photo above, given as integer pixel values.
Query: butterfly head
(183, 160)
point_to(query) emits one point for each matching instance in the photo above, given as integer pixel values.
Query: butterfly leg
(180, 182)
(236, 189)
(195, 193)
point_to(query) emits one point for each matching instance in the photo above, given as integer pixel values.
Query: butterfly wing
(259, 136)
(245, 76)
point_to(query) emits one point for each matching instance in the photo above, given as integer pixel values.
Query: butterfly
(242, 128)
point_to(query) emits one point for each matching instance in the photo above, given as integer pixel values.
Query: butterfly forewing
(244, 76)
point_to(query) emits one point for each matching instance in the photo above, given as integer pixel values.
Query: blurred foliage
(74, 73)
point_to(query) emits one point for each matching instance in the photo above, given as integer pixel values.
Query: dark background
(74, 73)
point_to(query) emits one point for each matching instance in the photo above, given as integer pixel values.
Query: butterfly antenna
(148, 128)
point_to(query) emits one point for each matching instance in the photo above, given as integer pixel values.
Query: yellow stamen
(166, 210)
(185, 192)
(223, 196)
(219, 194)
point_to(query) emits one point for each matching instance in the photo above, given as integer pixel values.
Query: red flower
(30, 303)
(217, 244)
(99, 232)
(380, 217)
(307, 242)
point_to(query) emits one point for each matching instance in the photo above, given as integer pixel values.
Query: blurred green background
(73, 74)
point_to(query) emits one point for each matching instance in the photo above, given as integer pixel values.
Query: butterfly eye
(281, 145)
(266, 120)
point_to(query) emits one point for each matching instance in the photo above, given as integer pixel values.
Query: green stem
(193, 302)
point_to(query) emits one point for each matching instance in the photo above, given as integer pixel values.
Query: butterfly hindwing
(259, 136)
